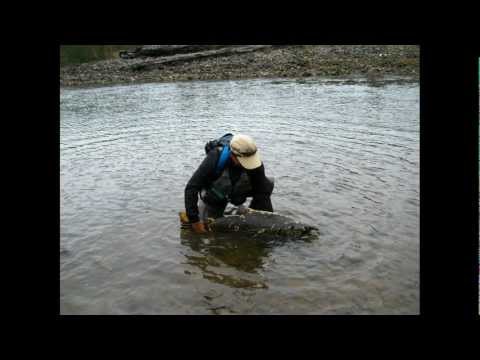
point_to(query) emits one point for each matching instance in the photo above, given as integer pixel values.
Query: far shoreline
(289, 62)
(349, 78)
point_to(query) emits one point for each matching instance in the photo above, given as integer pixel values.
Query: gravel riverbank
(296, 61)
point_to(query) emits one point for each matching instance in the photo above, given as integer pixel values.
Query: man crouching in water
(231, 172)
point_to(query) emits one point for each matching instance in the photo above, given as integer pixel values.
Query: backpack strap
(224, 156)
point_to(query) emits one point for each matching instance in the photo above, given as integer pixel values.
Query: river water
(345, 157)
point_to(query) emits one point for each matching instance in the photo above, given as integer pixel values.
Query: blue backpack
(223, 142)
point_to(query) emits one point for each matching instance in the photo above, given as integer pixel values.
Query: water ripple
(345, 156)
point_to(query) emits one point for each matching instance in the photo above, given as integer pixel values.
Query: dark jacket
(205, 175)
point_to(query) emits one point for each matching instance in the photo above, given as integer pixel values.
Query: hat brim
(250, 162)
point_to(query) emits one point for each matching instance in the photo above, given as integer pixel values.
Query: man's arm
(262, 189)
(200, 179)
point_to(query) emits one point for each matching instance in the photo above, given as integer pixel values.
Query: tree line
(77, 54)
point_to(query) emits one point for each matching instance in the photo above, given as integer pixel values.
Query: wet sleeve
(200, 179)
(261, 189)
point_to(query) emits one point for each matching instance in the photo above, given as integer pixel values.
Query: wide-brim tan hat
(245, 150)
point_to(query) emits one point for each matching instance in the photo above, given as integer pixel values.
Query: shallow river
(345, 157)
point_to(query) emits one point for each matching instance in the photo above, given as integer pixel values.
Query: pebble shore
(296, 61)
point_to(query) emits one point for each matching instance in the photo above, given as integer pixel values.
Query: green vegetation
(76, 54)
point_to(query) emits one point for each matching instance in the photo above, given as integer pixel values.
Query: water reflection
(234, 260)
(222, 259)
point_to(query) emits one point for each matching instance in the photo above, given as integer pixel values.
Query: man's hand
(199, 227)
